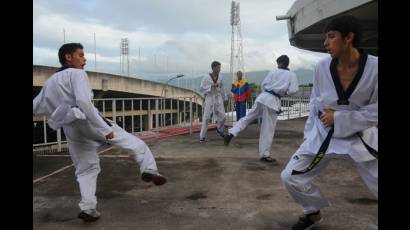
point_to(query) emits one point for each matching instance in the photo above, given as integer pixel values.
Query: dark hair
(345, 24)
(215, 64)
(284, 60)
(67, 48)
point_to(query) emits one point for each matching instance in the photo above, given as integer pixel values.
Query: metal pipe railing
(292, 107)
(127, 109)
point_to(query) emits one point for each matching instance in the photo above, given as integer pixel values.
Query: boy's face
(76, 59)
(335, 44)
(239, 74)
(216, 69)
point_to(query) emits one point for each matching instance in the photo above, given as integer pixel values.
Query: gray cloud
(172, 36)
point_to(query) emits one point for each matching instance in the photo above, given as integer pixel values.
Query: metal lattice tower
(124, 58)
(237, 62)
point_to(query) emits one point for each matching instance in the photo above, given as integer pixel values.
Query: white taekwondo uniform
(267, 105)
(215, 95)
(66, 99)
(355, 120)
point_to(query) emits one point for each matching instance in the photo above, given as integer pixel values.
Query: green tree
(255, 88)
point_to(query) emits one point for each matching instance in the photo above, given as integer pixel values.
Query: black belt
(320, 154)
(106, 121)
(274, 94)
(277, 95)
(322, 150)
(371, 150)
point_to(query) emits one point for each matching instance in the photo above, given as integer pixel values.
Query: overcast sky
(165, 37)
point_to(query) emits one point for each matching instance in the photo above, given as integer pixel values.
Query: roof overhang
(307, 18)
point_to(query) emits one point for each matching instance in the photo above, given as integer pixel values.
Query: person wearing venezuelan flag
(241, 91)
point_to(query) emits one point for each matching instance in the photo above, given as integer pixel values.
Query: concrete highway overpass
(107, 85)
(135, 104)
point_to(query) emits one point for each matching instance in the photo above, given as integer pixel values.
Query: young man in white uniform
(66, 99)
(342, 120)
(267, 105)
(215, 101)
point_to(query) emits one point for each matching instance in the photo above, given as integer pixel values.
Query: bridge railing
(153, 114)
(291, 106)
(132, 114)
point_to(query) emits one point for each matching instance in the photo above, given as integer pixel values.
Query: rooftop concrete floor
(210, 186)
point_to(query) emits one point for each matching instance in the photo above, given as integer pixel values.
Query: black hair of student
(283, 60)
(345, 24)
(67, 48)
(215, 64)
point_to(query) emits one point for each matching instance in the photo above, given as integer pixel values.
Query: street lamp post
(163, 95)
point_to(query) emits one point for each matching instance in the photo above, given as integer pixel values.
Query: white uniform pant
(218, 113)
(269, 118)
(306, 193)
(83, 143)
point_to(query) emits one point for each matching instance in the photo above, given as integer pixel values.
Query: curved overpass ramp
(111, 85)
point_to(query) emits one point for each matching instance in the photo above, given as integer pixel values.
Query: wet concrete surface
(210, 186)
